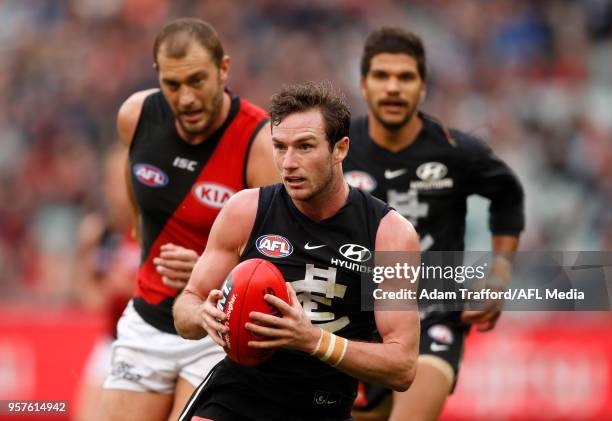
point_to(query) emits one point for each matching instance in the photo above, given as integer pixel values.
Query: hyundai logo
(431, 171)
(355, 252)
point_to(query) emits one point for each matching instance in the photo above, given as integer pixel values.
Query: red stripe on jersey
(191, 222)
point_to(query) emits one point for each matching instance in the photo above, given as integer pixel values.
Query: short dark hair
(308, 96)
(178, 35)
(394, 41)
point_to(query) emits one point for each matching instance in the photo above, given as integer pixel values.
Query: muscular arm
(391, 363)
(261, 170)
(193, 310)
(127, 120)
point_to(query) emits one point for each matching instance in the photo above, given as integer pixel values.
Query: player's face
(393, 89)
(302, 155)
(193, 86)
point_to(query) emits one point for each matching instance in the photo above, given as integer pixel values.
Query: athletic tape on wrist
(330, 349)
(318, 343)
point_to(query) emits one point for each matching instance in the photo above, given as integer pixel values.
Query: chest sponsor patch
(361, 180)
(355, 252)
(431, 176)
(212, 194)
(273, 245)
(150, 175)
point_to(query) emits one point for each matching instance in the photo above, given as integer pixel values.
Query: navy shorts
(442, 335)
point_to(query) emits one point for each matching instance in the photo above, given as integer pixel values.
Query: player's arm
(127, 121)
(195, 310)
(491, 177)
(261, 170)
(504, 247)
(391, 363)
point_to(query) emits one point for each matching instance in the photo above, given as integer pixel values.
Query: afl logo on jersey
(431, 171)
(361, 180)
(275, 246)
(150, 175)
(212, 194)
(441, 333)
(355, 252)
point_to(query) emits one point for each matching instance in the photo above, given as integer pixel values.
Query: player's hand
(211, 318)
(292, 331)
(486, 317)
(175, 264)
(485, 320)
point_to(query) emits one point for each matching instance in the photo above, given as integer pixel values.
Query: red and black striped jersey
(180, 188)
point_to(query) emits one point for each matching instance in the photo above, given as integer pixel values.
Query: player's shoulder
(133, 104)
(459, 140)
(396, 233)
(129, 114)
(242, 207)
(368, 199)
(468, 142)
(248, 109)
(242, 201)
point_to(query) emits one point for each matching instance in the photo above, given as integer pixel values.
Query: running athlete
(426, 172)
(315, 213)
(192, 145)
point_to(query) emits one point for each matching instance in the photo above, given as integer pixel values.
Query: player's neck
(328, 203)
(394, 140)
(195, 139)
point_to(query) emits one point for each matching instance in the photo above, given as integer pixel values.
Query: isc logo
(212, 194)
(275, 246)
(150, 175)
(184, 164)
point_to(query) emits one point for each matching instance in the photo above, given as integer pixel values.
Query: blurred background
(533, 78)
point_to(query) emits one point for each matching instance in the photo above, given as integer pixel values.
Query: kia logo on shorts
(273, 245)
(431, 171)
(355, 252)
(212, 194)
(150, 175)
(361, 180)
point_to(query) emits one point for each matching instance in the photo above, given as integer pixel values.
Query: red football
(243, 292)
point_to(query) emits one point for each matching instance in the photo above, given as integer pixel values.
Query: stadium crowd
(531, 77)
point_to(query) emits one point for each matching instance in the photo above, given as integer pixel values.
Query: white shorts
(99, 361)
(145, 359)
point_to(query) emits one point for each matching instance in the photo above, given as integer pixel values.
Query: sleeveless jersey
(180, 188)
(429, 181)
(323, 261)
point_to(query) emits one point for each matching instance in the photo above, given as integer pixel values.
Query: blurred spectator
(108, 259)
(532, 77)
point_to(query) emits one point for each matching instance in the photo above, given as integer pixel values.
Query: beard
(321, 189)
(215, 109)
(393, 126)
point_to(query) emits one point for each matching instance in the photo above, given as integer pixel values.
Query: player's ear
(423, 93)
(224, 68)
(362, 88)
(341, 149)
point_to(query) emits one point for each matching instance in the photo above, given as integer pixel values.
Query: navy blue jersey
(429, 181)
(323, 261)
